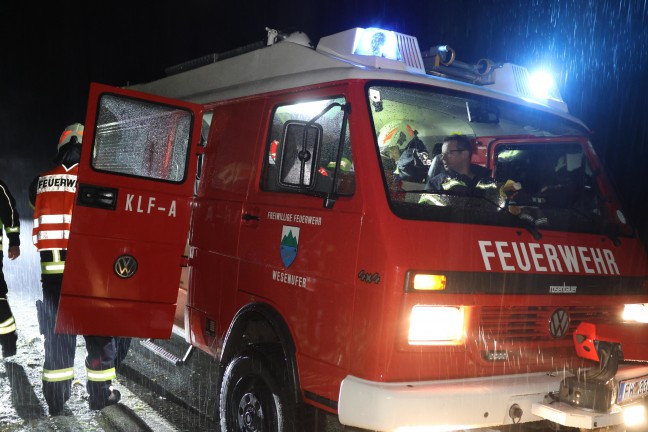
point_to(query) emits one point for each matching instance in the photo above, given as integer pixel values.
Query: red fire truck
(322, 272)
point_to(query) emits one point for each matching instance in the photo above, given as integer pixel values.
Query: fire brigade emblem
(289, 244)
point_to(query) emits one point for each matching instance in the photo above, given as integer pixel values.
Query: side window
(306, 141)
(141, 139)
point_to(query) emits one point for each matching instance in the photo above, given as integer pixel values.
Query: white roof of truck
(286, 64)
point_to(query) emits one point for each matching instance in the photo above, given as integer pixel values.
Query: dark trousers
(7, 324)
(3, 284)
(60, 350)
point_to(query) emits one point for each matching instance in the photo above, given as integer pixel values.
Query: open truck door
(131, 215)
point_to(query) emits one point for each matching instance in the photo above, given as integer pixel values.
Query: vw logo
(125, 266)
(559, 323)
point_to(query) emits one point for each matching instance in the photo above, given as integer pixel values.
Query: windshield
(450, 156)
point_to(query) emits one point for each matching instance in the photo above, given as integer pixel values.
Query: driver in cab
(460, 174)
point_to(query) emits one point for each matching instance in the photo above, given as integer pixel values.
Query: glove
(508, 191)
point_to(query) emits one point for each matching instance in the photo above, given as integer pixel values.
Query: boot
(56, 395)
(8, 343)
(98, 403)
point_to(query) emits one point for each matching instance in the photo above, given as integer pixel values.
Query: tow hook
(515, 412)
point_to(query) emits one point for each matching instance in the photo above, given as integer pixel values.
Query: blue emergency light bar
(543, 86)
(375, 47)
(377, 42)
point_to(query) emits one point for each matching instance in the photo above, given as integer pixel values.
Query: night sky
(597, 50)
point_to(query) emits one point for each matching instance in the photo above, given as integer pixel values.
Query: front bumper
(469, 403)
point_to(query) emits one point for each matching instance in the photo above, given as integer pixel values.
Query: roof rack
(274, 36)
(212, 58)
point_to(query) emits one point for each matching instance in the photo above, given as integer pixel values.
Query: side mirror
(299, 154)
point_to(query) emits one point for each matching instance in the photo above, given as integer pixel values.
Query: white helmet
(396, 133)
(74, 130)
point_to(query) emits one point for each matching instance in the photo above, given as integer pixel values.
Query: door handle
(247, 217)
(96, 196)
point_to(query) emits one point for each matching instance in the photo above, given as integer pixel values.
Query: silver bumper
(466, 403)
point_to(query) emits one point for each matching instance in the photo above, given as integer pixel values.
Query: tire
(252, 399)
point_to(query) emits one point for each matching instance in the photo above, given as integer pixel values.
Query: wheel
(252, 399)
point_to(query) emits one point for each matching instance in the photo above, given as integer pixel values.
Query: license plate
(632, 389)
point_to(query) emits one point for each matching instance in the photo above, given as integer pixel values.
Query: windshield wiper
(611, 230)
(526, 223)
(608, 229)
(598, 221)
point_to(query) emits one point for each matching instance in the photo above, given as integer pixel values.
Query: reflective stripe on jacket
(53, 208)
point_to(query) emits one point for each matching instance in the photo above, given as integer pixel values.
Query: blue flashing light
(377, 42)
(542, 84)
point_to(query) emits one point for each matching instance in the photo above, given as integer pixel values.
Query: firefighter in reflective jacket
(11, 222)
(52, 195)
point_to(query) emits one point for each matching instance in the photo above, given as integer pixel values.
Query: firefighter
(461, 175)
(52, 196)
(392, 141)
(11, 222)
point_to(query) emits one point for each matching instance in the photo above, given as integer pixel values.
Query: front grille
(531, 323)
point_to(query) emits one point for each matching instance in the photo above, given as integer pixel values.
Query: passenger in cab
(392, 141)
(404, 155)
(460, 174)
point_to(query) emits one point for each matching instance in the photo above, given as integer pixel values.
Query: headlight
(636, 312)
(634, 415)
(430, 325)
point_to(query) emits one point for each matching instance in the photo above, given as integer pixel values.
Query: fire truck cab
(331, 259)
